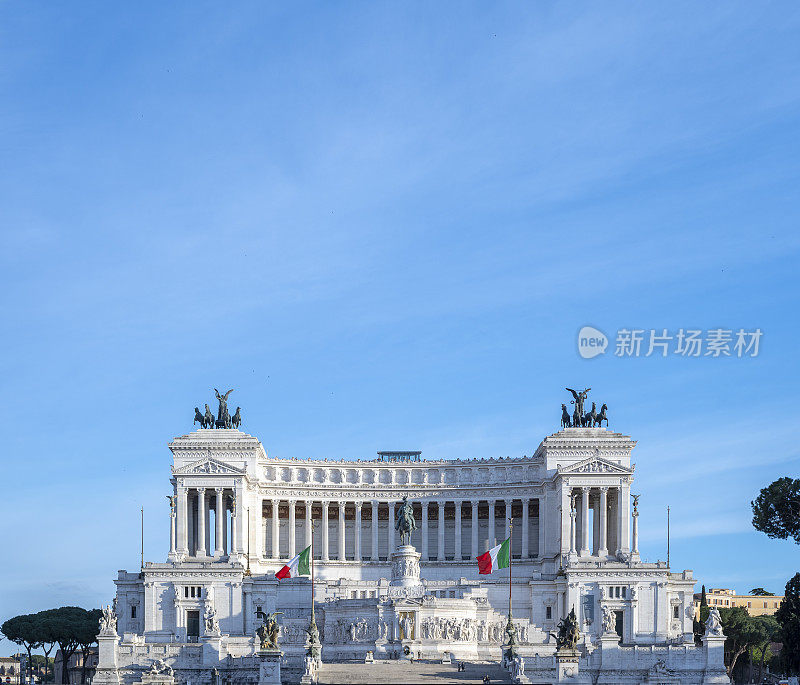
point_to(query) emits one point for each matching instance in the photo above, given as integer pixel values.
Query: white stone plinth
(567, 667)
(714, 647)
(269, 671)
(405, 567)
(106, 672)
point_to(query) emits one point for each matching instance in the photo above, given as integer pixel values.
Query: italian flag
(495, 558)
(299, 566)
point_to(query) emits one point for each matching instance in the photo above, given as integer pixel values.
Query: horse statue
(236, 419)
(199, 418)
(565, 420)
(577, 418)
(598, 420)
(588, 420)
(404, 521)
(209, 417)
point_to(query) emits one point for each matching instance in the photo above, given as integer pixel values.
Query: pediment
(596, 465)
(208, 466)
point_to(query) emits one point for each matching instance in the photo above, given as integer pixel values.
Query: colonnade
(190, 523)
(358, 524)
(609, 530)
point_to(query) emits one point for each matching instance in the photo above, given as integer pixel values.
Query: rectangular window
(548, 613)
(624, 592)
(133, 611)
(676, 611)
(186, 591)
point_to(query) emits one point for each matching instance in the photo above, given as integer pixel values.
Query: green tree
(776, 510)
(763, 630)
(66, 625)
(741, 633)
(22, 631)
(761, 592)
(87, 631)
(788, 615)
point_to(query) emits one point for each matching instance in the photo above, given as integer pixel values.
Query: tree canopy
(788, 616)
(68, 627)
(761, 592)
(776, 510)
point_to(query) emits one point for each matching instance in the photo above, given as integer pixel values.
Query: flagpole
(510, 555)
(312, 569)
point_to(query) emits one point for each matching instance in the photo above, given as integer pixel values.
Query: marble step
(382, 672)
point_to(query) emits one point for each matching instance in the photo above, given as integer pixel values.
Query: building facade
(237, 515)
(756, 605)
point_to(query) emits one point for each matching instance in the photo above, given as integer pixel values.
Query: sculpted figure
(236, 419)
(223, 418)
(580, 398)
(199, 418)
(268, 631)
(713, 622)
(609, 620)
(108, 621)
(568, 633)
(598, 420)
(405, 522)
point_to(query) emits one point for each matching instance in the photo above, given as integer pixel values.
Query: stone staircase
(405, 673)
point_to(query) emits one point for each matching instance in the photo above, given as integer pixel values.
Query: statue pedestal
(269, 671)
(610, 657)
(567, 667)
(714, 648)
(106, 672)
(405, 566)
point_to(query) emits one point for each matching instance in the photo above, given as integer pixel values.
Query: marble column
(225, 542)
(595, 525)
(201, 522)
(440, 532)
(358, 532)
(525, 528)
(207, 505)
(173, 535)
(276, 552)
(573, 525)
(584, 522)
(474, 533)
(374, 550)
(424, 531)
(391, 530)
(635, 542)
(625, 518)
(458, 553)
(543, 525)
(325, 526)
(492, 532)
(219, 519)
(183, 528)
(342, 556)
(603, 545)
(508, 530)
(234, 527)
(309, 528)
(292, 532)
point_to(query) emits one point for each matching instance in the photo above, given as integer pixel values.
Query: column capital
(358, 504)
(219, 490)
(585, 489)
(603, 489)
(201, 491)
(326, 504)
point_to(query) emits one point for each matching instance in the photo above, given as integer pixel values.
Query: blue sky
(383, 224)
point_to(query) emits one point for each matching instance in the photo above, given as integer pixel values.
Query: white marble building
(238, 515)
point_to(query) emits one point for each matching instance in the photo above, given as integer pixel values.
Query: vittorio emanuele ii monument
(387, 547)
